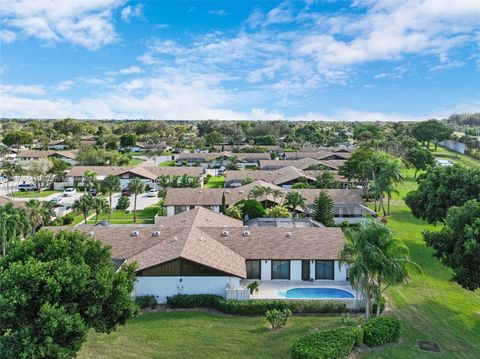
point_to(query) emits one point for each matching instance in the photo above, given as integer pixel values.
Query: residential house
(24, 157)
(57, 145)
(202, 252)
(218, 159)
(317, 155)
(301, 164)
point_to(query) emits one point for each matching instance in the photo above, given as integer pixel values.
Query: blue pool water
(315, 293)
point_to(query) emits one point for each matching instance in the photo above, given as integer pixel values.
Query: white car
(57, 201)
(69, 192)
(26, 187)
(152, 193)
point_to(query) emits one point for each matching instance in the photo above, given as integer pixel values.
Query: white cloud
(129, 70)
(65, 85)
(35, 90)
(218, 12)
(130, 12)
(83, 23)
(7, 36)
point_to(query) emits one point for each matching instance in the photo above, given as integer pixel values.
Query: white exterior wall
(170, 211)
(295, 270)
(340, 273)
(163, 287)
(266, 269)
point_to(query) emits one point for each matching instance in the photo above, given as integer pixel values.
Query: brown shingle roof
(44, 154)
(151, 172)
(277, 177)
(318, 155)
(301, 164)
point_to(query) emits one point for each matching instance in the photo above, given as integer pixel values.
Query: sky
(363, 60)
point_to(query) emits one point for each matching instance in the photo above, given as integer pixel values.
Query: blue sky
(240, 60)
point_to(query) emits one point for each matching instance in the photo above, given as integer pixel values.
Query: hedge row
(255, 306)
(329, 344)
(338, 343)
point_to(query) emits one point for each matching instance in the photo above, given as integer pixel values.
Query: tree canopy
(54, 288)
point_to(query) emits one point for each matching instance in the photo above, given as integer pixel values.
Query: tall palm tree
(35, 213)
(256, 192)
(99, 205)
(110, 184)
(194, 182)
(276, 194)
(184, 181)
(136, 186)
(389, 175)
(83, 205)
(14, 223)
(294, 199)
(375, 257)
(89, 179)
(174, 180)
(164, 181)
(266, 191)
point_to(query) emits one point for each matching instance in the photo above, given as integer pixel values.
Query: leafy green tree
(431, 130)
(40, 213)
(123, 203)
(67, 285)
(213, 138)
(301, 185)
(14, 224)
(89, 180)
(278, 212)
(457, 245)
(323, 209)
(358, 168)
(294, 199)
(326, 179)
(83, 205)
(441, 188)
(136, 186)
(251, 208)
(110, 185)
(128, 140)
(10, 170)
(58, 168)
(419, 158)
(234, 212)
(17, 138)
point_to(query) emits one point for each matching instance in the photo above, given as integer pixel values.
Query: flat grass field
(35, 194)
(215, 182)
(144, 216)
(430, 306)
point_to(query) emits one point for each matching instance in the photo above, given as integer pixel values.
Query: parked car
(57, 202)
(69, 192)
(3, 179)
(93, 192)
(26, 187)
(152, 193)
(126, 192)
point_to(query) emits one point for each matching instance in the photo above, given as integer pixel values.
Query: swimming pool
(315, 293)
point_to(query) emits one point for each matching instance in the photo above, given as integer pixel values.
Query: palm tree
(99, 205)
(184, 181)
(14, 224)
(164, 181)
(256, 192)
(266, 191)
(294, 200)
(194, 182)
(89, 179)
(375, 257)
(136, 186)
(35, 213)
(83, 205)
(277, 193)
(389, 175)
(110, 184)
(174, 181)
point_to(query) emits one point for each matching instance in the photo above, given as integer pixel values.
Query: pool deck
(268, 289)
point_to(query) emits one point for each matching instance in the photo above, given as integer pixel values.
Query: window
(180, 209)
(253, 269)
(324, 270)
(280, 269)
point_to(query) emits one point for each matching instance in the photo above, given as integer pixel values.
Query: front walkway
(268, 289)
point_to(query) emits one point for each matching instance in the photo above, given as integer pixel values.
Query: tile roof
(151, 172)
(43, 154)
(318, 155)
(301, 164)
(198, 236)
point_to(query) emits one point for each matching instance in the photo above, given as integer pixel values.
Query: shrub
(278, 318)
(381, 330)
(253, 287)
(68, 218)
(254, 307)
(146, 301)
(329, 344)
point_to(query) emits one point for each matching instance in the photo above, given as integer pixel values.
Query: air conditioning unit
(225, 233)
(289, 234)
(156, 233)
(91, 234)
(246, 233)
(135, 233)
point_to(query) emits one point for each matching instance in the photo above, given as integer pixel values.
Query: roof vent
(175, 239)
(225, 233)
(228, 191)
(135, 233)
(246, 233)
(91, 234)
(289, 234)
(156, 233)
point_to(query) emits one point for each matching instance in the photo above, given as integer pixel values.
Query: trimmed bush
(278, 318)
(254, 307)
(146, 301)
(329, 344)
(381, 330)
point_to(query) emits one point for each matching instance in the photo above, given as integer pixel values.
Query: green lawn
(215, 182)
(198, 334)
(135, 162)
(44, 193)
(169, 163)
(443, 152)
(144, 216)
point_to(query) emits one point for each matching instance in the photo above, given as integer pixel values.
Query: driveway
(143, 200)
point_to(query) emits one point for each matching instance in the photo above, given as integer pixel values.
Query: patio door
(305, 270)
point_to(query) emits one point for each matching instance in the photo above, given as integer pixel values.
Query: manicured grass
(135, 162)
(430, 306)
(169, 163)
(44, 193)
(215, 182)
(188, 334)
(144, 216)
(443, 152)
